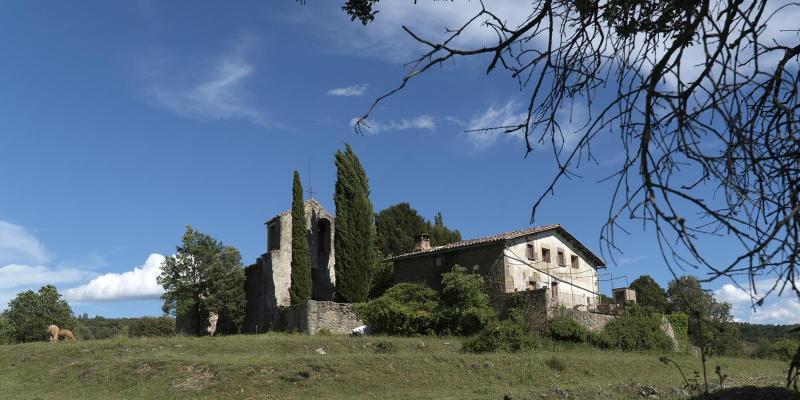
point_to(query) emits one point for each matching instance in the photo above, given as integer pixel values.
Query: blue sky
(122, 123)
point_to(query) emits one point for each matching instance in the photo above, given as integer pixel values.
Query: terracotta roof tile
(501, 237)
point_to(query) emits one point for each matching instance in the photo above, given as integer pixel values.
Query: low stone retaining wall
(594, 322)
(317, 315)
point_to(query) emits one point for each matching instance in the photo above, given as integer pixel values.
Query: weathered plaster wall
(317, 315)
(575, 286)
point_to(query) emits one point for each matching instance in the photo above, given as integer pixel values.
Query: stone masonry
(268, 279)
(317, 315)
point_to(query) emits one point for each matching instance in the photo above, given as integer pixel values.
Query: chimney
(422, 242)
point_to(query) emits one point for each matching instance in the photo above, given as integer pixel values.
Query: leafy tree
(7, 331)
(397, 227)
(204, 276)
(464, 307)
(300, 288)
(382, 277)
(354, 237)
(649, 293)
(710, 322)
(440, 234)
(30, 313)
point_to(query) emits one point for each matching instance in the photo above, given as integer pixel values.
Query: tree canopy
(710, 322)
(204, 276)
(398, 225)
(30, 313)
(354, 237)
(649, 293)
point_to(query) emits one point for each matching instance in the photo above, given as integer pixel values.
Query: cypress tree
(354, 237)
(300, 289)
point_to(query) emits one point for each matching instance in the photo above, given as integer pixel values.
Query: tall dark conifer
(300, 289)
(354, 237)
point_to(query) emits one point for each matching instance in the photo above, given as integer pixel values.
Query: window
(562, 262)
(439, 260)
(274, 236)
(530, 252)
(554, 289)
(575, 261)
(531, 285)
(546, 255)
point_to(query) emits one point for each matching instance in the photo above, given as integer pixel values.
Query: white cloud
(571, 122)
(355, 90)
(507, 114)
(20, 246)
(140, 283)
(14, 275)
(784, 309)
(217, 91)
(386, 39)
(419, 122)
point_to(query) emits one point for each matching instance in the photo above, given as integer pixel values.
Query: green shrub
(405, 309)
(7, 331)
(505, 336)
(636, 330)
(465, 307)
(152, 326)
(783, 349)
(563, 328)
(680, 326)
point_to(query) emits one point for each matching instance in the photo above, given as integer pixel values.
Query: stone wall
(317, 315)
(260, 301)
(594, 322)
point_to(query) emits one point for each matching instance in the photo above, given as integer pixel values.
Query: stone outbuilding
(546, 257)
(268, 279)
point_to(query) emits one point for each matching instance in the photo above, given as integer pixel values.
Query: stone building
(268, 279)
(546, 257)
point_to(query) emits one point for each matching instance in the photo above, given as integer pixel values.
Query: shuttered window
(545, 255)
(561, 259)
(575, 261)
(530, 252)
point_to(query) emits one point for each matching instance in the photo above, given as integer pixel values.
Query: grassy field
(278, 366)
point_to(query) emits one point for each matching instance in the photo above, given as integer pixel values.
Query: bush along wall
(461, 308)
(680, 327)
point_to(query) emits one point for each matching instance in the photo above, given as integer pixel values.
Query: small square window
(439, 260)
(575, 261)
(530, 252)
(546, 255)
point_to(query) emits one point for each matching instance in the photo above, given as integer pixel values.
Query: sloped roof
(503, 237)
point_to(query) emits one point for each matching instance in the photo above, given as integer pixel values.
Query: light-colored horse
(56, 334)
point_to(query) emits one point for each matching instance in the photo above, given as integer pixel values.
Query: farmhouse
(546, 257)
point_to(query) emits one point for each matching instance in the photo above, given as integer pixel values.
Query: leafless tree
(701, 95)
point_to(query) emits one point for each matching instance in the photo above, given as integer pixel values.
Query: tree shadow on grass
(751, 393)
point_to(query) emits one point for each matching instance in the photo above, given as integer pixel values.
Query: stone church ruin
(269, 278)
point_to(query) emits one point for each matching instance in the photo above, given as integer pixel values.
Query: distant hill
(752, 332)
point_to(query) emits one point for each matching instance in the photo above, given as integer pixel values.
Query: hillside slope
(277, 366)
